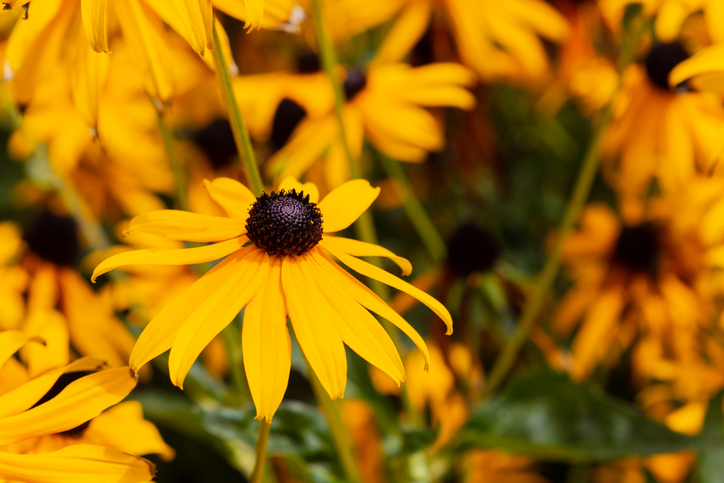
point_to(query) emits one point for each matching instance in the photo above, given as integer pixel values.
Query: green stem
(176, 166)
(339, 432)
(542, 287)
(415, 211)
(262, 438)
(238, 127)
(329, 62)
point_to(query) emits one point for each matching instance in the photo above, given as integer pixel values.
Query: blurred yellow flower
(646, 282)
(277, 266)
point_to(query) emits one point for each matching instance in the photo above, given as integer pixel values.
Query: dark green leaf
(548, 416)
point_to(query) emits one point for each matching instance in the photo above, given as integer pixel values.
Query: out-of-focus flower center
(354, 82)
(284, 223)
(308, 63)
(286, 118)
(53, 238)
(638, 248)
(471, 249)
(661, 60)
(216, 140)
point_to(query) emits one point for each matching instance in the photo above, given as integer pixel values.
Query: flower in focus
(277, 264)
(53, 428)
(498, 40)
(386, 105)
(646, 282)
(659, 133)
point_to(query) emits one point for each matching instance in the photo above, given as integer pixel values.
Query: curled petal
(95, 21)
(358, 248)
(232, 196)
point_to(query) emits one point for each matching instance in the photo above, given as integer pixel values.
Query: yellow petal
(10, 342)
(88, 78)
(160, 256)
(345, 204)
(357, 327)
(369, 270)
(95, 21)
(27, 32)
(308, 188)
(244, 277)
(361, 249)
(123, 427)
(708, 60)
(197, 18)
(159, 334)
(187, 226)
(371, 301)
(50, 326)
(23, 397)
(79, 402)
(232, 196)
(254, 12)
(405, 33)
(317, 335)
(81, 463)
(266, 345)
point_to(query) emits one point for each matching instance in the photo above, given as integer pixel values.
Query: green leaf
(548, 416)
(710, 466)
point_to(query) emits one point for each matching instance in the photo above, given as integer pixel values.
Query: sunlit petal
(186, 226)
(95, 21)
(232, 196)
(362, 249)
(308, 188)
(345, 204)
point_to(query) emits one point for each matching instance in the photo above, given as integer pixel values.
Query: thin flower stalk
(238, 127)
(415, 211)
(543, 285)
(262, 439)
(176, 166)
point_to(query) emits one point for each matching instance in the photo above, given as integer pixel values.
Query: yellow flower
(42, 424)
(385, 105)
(647, 283)
(498, 40)
(277, 264)
(659, 133)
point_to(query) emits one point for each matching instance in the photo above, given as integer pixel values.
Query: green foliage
(548, 416)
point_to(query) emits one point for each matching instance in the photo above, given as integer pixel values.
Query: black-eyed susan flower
(385, 104)
(53, 428)
(646, 282)
(658, 132)
(498, 40)
(278, 250)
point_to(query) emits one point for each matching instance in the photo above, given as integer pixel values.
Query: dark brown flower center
(638, 248)
(216, 140)
(472, 249)
(53, 238)
(661, 60)
(284, 223)
(354, 83)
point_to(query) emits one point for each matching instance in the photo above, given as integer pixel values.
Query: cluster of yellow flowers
(230, 147)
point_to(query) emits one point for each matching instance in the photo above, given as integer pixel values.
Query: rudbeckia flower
(43, 422)
(644, 282)
(385, 105)
(278, 250)
(658, 132)
(498, 40)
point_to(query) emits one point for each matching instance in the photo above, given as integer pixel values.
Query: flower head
(278, 264)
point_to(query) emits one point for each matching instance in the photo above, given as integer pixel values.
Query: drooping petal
(159, 334)
(179, 256)
(369, 270)
(187, 226)
(362, 249)
(346, 203)
(317, 335)
(50, 326)
(405, 33)
(88, 79)
(24, 396)
(95, 21)
(232, 196)
(371, 301)
(266, 345)
(244, 277)
(123, 427)
(308, 188)
(358, 328)
(197, 18)
(254, 13)
(79, 402)
(81, 463)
